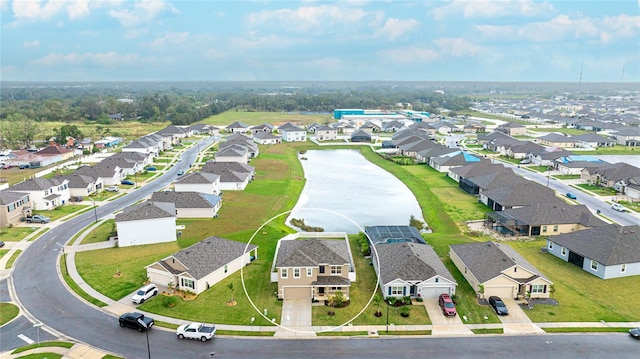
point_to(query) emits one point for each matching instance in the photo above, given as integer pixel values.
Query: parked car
(127, 182)
(618, 207)
(525, 161)
(447, 306)
(25, 166)
(151, 169)
(635, 332)
(1, 244)
(180, 173)
(571, 195)
(37, 218)
(198, 331)
(145, 293)
(498, 305)
(136, 321)
(113, 189)
(5, 167)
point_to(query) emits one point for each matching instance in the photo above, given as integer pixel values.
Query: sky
(261, 40)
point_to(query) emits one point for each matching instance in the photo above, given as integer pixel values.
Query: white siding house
(146, 223)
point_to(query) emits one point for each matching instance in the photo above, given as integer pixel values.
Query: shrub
(170, 301)
(337, 300)
(404, 311)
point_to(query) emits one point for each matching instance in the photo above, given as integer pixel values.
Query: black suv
(498, 305)
(136, 320)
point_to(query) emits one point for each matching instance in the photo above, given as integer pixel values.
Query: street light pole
(148, 350)
(95, 210)
(387, 316)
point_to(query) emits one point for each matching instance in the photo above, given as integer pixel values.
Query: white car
(618, 207)
(113, 189)
(145, 293)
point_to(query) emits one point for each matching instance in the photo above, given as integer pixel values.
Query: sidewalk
(77, 351)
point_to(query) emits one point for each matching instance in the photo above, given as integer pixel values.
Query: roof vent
(504, 259)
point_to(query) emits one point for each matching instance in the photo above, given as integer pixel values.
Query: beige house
(13, 206)
(497, 269)
(202, 265)
(313, 266)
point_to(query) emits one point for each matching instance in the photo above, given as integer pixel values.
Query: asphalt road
(40, 291)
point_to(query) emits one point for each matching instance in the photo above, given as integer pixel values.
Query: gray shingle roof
(409, 262)
(312, 252)
(37, 184)
(560, 213)
(210, 254)
(521, 194)
(487, 260)
(9, 197)
(147, 210)
(610, 244)
(199, 178)
(187, 199)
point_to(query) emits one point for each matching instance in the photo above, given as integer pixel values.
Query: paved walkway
(442, 325)
(77, 351)
(295, 320)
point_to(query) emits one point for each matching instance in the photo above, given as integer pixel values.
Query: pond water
(342, 187)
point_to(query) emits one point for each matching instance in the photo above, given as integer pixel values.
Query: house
(512, 129)
(591, 140)
(506, 193)
(233, 175)
(424, 127)
(608, 174)
(45, 194)
(266, 138)
(265, 127)
(411, 269)
(109, 173)
(609, 251)
(522, 150)
(361, 136)
(496, 269)
(474, 128)
(202, 265)
(237, 154)
(239, 140)
(82, 185)
(558, 140)
(202, 182)
(13, 206)
(146, 223)
(291, 133)
(544, 219)
(326, 133)
(237, 127)
(59, 153)
(454, 159)
(627, 136)
(191, 204)
(475, 169)
(307, 266)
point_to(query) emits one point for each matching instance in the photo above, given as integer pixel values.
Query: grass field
(258, 118)
(8, 311)
(16, 234)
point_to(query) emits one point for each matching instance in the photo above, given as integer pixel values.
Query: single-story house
(496, 269)
(412, 269)
(393, 234)
(191, 204)
(609, 251)
(146, 223)
(202, 265)
(361, 136)
(512, 129)
(13, 206)
(266, 138)
(202, 182)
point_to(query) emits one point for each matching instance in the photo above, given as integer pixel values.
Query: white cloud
(170, 39)
(108, 59)
(142, 12)
(4, 5)
(29, 10)
(408, 55)
(394, 28)
(563, 27)
(135, 33)
(309, 18)
(457, 47)
(31, 44)
(491, 8)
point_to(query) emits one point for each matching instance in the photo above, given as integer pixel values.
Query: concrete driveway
(296, 318)
(442, 325)
(517, 322)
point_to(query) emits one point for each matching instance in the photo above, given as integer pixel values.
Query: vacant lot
(258, 118)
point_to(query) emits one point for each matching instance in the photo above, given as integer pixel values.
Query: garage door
(434, 292)
(160, 278)
(503, 292)
(297, 292)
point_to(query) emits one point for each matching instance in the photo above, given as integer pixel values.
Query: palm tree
(377, 300)
(230, 286)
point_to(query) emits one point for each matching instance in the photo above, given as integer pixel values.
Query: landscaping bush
(170, 301)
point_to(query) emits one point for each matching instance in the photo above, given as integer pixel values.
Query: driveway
(442, 325)
(517, 322)
(296, 319)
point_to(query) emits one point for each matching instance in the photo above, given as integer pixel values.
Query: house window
(396, 290)
(544, 230)
(623, 268)
(283, 273)
(336, 270)
(336, 288)
(564, 251)
(550, 245)
(296, 272)
(309, 272)
(188, 283)
(225, 268)
(437, 280)
(594, 265)
(555, 228)
(537, 288)
(321, 269)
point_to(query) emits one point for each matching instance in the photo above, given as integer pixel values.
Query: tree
(20, 130)
(67, 131)
(481, 291)
(232, 290)
(377, 300)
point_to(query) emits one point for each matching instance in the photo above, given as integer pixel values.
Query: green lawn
(3, 252)
(568, 131)
(582, 297)
(101, 233)
(8, 311)
(41, 356)
(566, 177)
(62, 211)
(12, 259)
(16, 234)
(616, 150)
(75, 287)
(598, 190)
(42, 345)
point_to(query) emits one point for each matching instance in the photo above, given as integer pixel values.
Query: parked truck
(198, 331)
